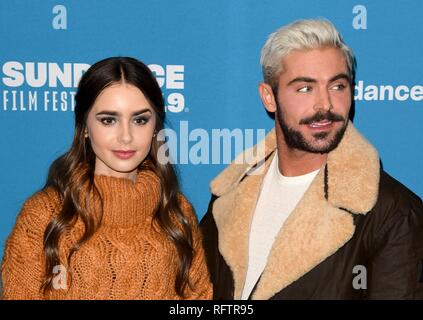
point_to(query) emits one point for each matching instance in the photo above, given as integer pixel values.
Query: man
(324, 221)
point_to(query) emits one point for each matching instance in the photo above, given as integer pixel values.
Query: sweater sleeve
(201, 287)
(22, 269)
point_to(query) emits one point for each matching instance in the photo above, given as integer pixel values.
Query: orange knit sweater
(127, 258)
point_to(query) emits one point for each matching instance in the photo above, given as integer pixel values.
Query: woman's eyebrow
(115, 113)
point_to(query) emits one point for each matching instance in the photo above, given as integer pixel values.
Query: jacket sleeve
(200, 285)
(220, 273)
(210, 241)
(396, 270)
(22, 269)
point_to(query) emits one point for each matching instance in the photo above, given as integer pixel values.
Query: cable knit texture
(128, 257)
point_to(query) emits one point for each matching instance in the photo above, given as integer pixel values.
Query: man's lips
(124, 154)
(324, 124)
(322, 121)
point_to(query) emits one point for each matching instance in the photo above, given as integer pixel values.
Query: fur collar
(320, 224)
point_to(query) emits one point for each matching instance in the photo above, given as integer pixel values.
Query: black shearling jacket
(357, 233)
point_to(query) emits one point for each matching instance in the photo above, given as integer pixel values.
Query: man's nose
(323, 101)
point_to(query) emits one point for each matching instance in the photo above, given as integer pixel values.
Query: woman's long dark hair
(81, 158)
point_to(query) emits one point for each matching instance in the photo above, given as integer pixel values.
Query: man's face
(313, 99)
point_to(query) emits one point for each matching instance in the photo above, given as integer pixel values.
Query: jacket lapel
(233, 214)
(233, 210)
(312, 232)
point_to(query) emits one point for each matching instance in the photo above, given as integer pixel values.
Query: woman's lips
(121, 154)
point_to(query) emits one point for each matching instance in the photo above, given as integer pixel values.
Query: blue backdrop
(206, 57)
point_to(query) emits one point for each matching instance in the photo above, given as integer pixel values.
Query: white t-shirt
(278, 197)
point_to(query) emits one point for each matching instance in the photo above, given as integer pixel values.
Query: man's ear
(267, 97)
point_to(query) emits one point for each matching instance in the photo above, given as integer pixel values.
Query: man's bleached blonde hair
(300, 35)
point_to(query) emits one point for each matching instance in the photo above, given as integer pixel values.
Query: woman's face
(120, 126)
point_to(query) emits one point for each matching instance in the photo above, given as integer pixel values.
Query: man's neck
(294, 162)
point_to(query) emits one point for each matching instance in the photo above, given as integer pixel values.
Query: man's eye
(304, 89)
(339, 87)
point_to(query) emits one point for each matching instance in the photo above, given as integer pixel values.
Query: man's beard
(295, 139)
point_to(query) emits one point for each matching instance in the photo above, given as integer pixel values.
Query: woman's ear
(267, 97)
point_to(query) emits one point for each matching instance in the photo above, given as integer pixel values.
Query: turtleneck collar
(127, 203)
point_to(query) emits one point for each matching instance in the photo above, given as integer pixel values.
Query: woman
(110, 222)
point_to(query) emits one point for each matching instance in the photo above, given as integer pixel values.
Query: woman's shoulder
(40, 207)
(48, 198)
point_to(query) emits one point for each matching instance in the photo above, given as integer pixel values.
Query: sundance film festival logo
(50, 86)
(35, 86)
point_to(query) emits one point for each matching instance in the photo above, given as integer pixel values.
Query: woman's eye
(107, 121)
(141, 120)
(304, 89)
